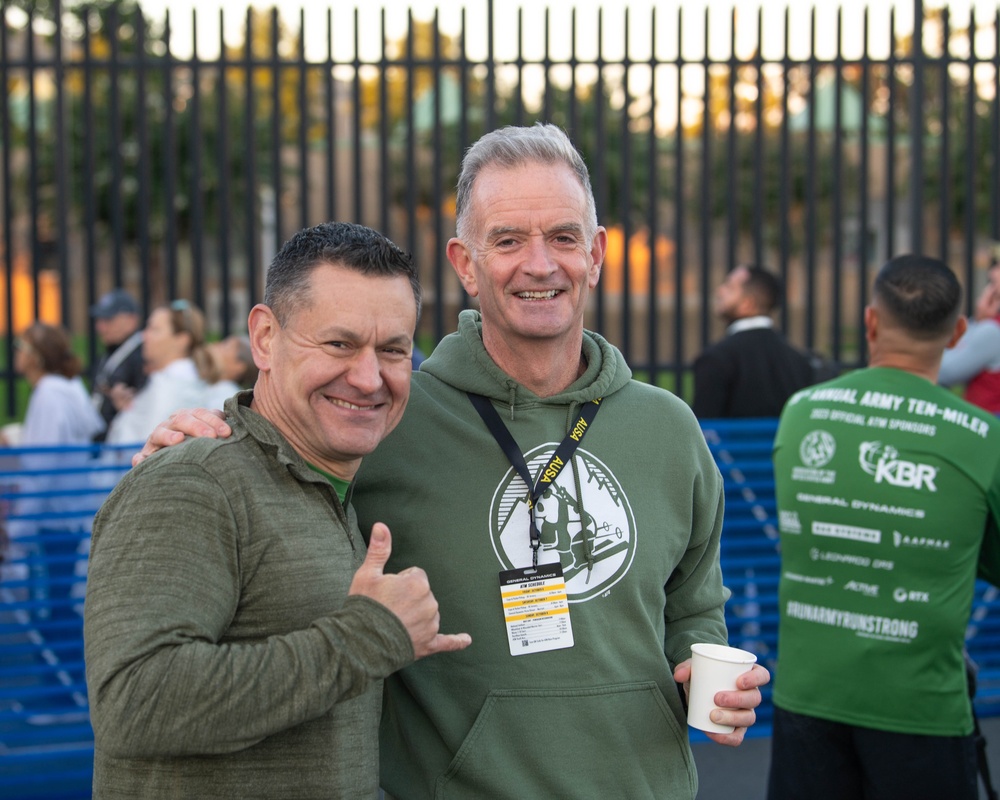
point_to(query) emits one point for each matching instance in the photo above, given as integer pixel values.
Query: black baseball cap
(115, 302)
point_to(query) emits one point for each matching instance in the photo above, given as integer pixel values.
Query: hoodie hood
(461, 360)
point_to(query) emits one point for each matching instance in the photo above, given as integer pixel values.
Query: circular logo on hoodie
(592, 535)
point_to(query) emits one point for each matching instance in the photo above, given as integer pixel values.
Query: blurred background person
(233, 369)
(754, 370)
(975, 360)
(119, 374)
(59, 413)
(177, 364)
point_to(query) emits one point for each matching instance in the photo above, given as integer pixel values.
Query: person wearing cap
(119, 374)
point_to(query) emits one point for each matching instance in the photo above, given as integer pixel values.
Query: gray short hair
(511, 147)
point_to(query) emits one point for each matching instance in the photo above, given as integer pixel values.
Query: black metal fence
(819, 141)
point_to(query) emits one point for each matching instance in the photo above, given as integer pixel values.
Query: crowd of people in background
(177, 365)
(144, 373)
(147, 372)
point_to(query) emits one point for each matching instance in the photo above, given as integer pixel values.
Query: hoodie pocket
(597, 742)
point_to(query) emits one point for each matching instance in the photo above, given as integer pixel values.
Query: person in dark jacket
(119, 374)
(754, 370)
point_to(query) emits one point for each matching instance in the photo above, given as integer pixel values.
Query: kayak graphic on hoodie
(593, 538)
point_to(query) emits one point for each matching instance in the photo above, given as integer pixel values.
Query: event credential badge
(536, 609)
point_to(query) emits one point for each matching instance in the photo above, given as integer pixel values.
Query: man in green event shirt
(888, 491)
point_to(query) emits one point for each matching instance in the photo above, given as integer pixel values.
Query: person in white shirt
(177, 361)
(59, 413)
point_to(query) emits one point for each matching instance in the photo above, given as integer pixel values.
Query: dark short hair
(342, 244)
(920, 293)
(764, 286)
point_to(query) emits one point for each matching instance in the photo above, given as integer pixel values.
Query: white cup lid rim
(721, 652)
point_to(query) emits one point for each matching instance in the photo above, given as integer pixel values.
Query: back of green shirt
(886, 485)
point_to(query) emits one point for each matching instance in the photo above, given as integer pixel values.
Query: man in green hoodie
(567, 515)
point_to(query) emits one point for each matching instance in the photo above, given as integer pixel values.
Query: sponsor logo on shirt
(849, 558)
(925, 542)
(901, 595)
(815, 580)
(817, 448)
(882, 461)
(788, 522)
(815, 451)
(867, 589)
(852, 532)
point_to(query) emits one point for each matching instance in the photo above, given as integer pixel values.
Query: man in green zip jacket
(236, 631)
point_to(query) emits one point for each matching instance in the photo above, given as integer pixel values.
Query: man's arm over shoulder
(164, 586)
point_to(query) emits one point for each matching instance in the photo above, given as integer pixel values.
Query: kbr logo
(817, 448)
(883, 462)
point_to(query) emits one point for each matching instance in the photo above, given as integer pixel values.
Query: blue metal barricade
(49, 496)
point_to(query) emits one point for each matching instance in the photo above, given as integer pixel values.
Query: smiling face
(336, 377)
(533, 256)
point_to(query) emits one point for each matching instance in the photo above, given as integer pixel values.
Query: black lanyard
(549, 473)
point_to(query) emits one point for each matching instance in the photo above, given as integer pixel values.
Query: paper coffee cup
(714, 668)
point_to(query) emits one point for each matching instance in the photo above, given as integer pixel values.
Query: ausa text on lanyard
(549, 472)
